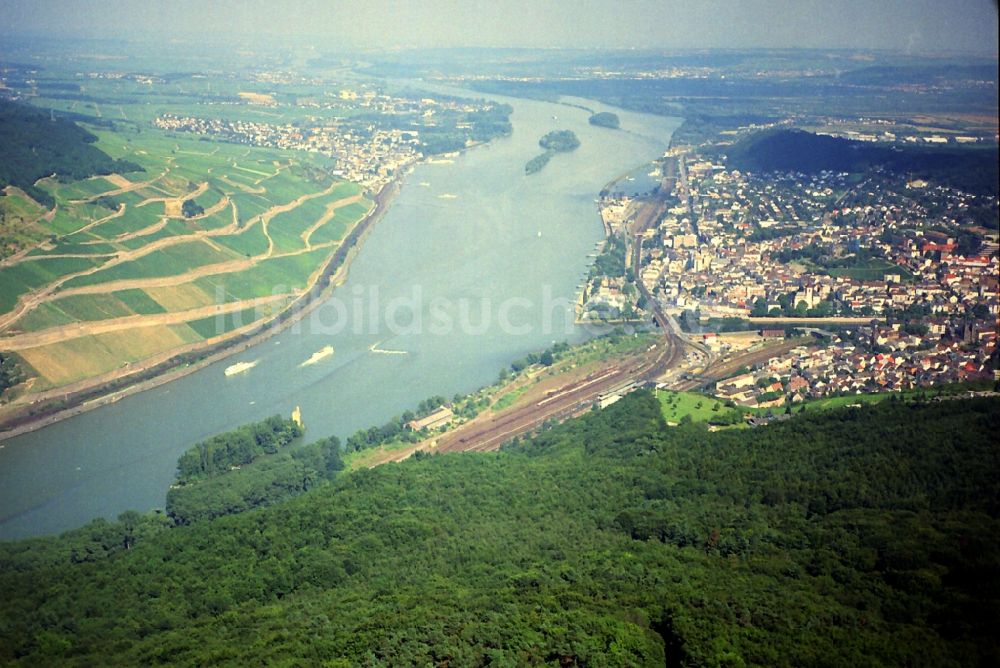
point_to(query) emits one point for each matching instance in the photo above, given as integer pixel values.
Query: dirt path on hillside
(331, 211)
(56, 256)
(35, 410)
(94, 327)
(86, 228)
(240, 186)
(121, 181)
(265, 218)
(177, 200)
(32, 300)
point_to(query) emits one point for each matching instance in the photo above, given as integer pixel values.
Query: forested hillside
(852, 537)
(972, 169)
(34, 145)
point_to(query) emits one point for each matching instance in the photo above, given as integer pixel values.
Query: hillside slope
(33, 145)
(973, 169)
(854, 537)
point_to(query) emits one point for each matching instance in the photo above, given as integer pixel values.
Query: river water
(474, 265)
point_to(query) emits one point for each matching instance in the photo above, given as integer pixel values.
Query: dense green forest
(34, 145)
(973, 169)
(605, 119)
(267, 480)
(844, 538)
(221, 453)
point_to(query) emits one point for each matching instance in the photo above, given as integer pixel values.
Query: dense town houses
(905, 256)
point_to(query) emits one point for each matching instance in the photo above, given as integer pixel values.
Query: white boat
(321, 354)
(447, 196)
(240, 367)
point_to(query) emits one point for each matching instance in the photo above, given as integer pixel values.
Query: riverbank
(17, 419)
(481, 248)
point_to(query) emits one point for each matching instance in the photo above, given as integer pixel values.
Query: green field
(273, 276)
(217, 221)
(134, 220)
(214, 326)
(85, 189)
(209, 198)
(286, 228)
(20, 278)
(250, 242)
(169, 261)
(509, 398)
(248, 205)
(873, 270)
(173, 228)
(44, 316)
(139, 302)
(336, 228)
(699, 407)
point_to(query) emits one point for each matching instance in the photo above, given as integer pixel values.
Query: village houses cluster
(369, 159)
(864, 360)
(368, 148)
(900, 252)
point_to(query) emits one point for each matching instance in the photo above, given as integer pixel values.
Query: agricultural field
(118, 251)
(698, 407)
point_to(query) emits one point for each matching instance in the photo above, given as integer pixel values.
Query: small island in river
(557, 141)
(605, 119)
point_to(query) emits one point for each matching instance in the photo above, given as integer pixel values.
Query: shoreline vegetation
(18, 419)
(557, 141)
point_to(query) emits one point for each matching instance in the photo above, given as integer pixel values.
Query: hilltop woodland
(849, 537)
(975, 170)
(36, 145)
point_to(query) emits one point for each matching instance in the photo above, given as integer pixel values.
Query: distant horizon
(914, 27)
(273, 41)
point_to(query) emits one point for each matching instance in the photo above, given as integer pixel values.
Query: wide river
(474, 265)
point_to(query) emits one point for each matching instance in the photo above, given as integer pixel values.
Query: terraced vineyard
(119, 255)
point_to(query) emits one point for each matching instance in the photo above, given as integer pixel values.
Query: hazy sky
(914, 25)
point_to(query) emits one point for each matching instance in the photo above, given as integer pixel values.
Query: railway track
(490, 432)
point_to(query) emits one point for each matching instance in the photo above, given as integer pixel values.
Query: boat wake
(381, 351)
